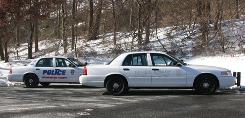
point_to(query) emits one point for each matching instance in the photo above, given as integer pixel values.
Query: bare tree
(140, 29)
(73, 25)
(96, 26)
(114, 23)
(30, 41)
(91, 19)
(35, 23)
(237, 9)
(64, 38)
(203, 7)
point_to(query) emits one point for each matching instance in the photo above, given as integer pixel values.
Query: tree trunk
(30, 41)
(131, 16)
(91, 19)
(18, 27)
(6, 59)
(73, 25)
(58, 29)
(97, 21)
(1, 50)
(36, 30)
(114, 24)
(156, 26)
(148, 23)
(64, 28)
(237, 9)
(139, 27)
(204, 16)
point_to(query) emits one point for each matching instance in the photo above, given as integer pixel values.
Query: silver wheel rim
(31, 81)
(115, 86)
(206, 85)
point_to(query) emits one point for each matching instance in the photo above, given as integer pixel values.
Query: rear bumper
(15, 77)
(93, 81)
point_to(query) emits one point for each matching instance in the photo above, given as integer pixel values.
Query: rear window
(135, 60)
(45, 62)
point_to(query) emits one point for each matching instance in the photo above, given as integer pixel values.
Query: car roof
(53, 57)
(144, 52)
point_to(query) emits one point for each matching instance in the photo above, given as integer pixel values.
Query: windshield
(76, 62)
(180, 61)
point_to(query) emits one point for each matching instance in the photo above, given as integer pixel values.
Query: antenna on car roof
(165, 50)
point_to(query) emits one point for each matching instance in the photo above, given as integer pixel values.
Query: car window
(61, 62)
(162, 60)
(45, 62)
(135, 60)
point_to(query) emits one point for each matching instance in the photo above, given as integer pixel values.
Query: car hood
(206, 68)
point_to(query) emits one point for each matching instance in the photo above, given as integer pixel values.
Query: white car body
(50, 74)
(154, 76)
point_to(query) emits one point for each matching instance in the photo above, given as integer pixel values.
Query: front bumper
(227, 82)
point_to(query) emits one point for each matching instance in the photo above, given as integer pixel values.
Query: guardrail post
(238, 78)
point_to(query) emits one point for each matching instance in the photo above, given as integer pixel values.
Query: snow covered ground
(235, 63)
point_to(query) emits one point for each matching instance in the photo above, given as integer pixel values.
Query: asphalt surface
(69, 101)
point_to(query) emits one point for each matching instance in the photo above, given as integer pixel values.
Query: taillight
(85, 71)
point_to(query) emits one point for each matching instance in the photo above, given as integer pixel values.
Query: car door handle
(155, 69)
(126, 69)
(37, 69)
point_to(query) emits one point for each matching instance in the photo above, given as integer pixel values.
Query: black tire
(117, 86)
(31, 81)
(45, 84)
(206, 85)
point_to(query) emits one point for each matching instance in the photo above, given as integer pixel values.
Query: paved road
(75, 101)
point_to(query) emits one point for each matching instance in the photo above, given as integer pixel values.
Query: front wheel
(116, 87)
(206, 85)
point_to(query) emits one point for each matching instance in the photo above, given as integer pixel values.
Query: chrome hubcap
(115, 85)
(205, 85)
(30, 81)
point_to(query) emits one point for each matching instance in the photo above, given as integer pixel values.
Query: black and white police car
(47, 70)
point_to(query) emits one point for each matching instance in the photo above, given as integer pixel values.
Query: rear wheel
(45, 84)
(206, 85)
(116, 86)
(31, 81)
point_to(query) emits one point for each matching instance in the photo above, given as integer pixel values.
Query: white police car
(153, 70)
(46, 70)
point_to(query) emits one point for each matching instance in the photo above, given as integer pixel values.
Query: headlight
(226, 73)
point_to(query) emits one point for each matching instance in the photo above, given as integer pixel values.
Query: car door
(66, 71)
(165, 72)
(44, 68)
(135, 68)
